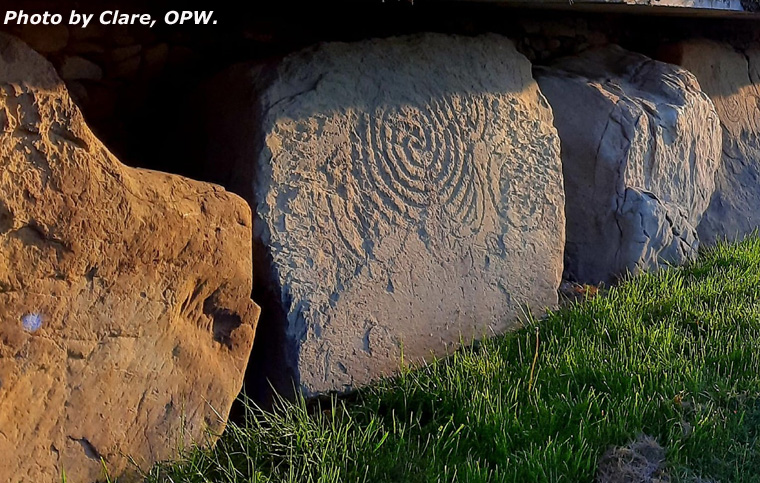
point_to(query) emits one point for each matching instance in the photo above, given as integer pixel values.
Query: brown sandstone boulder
(125, 314)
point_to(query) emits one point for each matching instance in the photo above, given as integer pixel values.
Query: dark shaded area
(269, 367)
(89, 450)
(224, 321)
(150, 114)
(6, 218)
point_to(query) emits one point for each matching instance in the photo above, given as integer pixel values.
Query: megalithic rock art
(408, 195)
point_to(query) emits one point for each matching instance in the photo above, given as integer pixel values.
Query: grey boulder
(408, 196)
(640, 147)
(732, 80)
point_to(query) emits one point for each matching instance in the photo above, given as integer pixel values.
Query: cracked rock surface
(125, 314)
(640, 147)
(731, 78)
(408, 194)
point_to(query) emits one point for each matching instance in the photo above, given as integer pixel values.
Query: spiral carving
(417, 162)
(734, 109)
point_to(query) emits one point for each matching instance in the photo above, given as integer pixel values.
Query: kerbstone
(640, 147)
(732, 80)
(125, 314)
(408, 196)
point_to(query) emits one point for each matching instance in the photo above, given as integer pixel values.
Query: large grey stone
(408, 194)
(640, 146)
(732, 80)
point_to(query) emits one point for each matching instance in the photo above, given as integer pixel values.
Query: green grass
(674, 354)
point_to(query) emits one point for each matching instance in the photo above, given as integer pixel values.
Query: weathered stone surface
(125, 311)
(79, 47)
(45, 38)
(126, 68)
(640, 147)
(79, 68)
(123, 53)
(154, 59)
(732, 80)
(408, 193)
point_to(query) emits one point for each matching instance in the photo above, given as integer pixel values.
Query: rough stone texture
(732, 80)
(408, 193)
(45, 38)
(640, 147)
(78, 68)
(125, 311)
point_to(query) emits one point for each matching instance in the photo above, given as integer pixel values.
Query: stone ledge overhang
(696, 8)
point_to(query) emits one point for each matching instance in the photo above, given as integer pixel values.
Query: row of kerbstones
(410, 193)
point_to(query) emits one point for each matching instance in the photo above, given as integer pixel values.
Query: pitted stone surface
(640, 147)
(732, 80)
(125, 314)
(409, 194)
